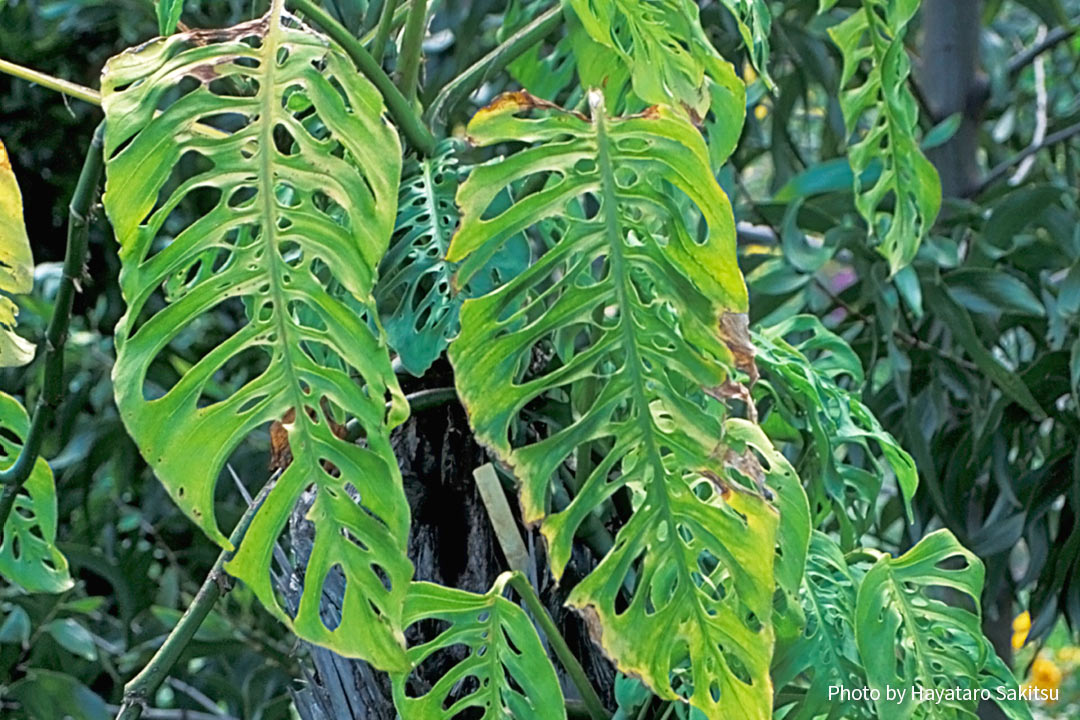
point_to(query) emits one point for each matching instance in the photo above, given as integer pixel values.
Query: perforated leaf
(28, 553)
(662, 45)
(936, 645)
(882, 114)
(501, 670)
(804, 393)
(279, 145)
(825, 655)
(16, 266)
(620, 319)
(755, 23)
(414, 296)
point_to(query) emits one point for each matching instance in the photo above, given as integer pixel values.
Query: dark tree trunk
(451, 543)
(950, 82)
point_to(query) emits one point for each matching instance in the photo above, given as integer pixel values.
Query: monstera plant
(315, 241)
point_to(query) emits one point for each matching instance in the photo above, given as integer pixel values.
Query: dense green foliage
(775, 426)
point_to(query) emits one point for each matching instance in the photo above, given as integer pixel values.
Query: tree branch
(407, 119)
(143, 686)
(999, 170)
(1053, 38)
(52, 390)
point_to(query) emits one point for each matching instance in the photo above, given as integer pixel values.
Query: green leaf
(935, 645)
(168, 15)
(825, 655)
(48, 694)
(755, 23)
(73, 637)
(662, 44)
(415, 300)
(16, 266)
(882, 112)
(1012, 214)
(990, 291)
(963, 329)
(28, 553)
(16, 627)
(621, 317)
(805, 383)
(500, 651)
(282, 148)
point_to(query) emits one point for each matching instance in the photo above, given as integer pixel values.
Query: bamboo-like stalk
(407, 119)
(52, 391)
(142, 687)
(573, 668)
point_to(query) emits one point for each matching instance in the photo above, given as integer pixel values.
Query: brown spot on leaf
(746, 462)
(735, 332)
(733, 390)
(280, 452)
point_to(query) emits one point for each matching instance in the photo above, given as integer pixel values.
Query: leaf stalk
(408, 120)
(466, 83)
(412, 49)
(79, 92)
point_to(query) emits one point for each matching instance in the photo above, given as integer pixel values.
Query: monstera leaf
(872, 38)
(936, 645)
(268, 131)
(414, 296)
(28, 554)
(755, 23)
(620, 318)
(669, 59)
(809, 392)
(16, 266)
(825, 653)
(503, 670)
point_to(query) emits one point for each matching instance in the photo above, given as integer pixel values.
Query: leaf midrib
(633, 357)
(268, 112)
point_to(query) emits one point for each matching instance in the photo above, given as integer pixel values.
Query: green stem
(56, 333)
(143, 686)
(573, 668)
(514, 46)
(382, 32)
(80, 92)
(407, 119)
(412, 49)
(399, 15)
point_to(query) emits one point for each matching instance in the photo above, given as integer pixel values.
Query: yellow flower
(761, 112)
(1069, 654)
(1021, 625)
(1045, 674)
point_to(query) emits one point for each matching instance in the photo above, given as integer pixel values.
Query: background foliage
(969, 356)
